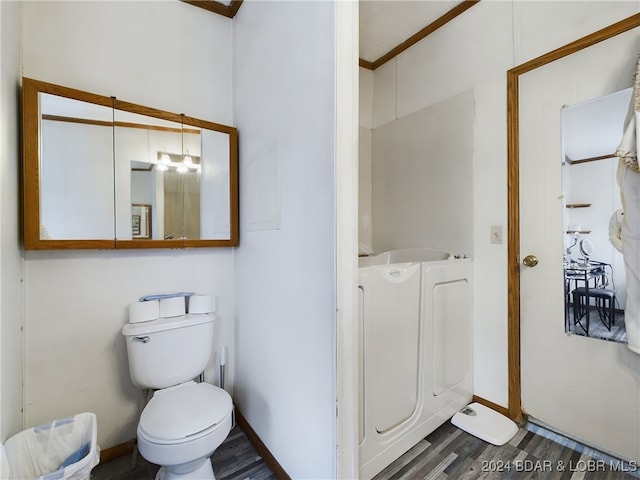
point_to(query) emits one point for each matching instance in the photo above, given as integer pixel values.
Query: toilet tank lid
(169, 323)
(184, 411)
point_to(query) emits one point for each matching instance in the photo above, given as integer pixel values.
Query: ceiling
(385, 24)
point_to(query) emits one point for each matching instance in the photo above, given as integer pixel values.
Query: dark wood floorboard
(235, 459)
(447, 453)
(533, 453)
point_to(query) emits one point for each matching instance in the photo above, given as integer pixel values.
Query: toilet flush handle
(144, 339)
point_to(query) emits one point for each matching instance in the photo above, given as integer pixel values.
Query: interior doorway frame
(513, 196)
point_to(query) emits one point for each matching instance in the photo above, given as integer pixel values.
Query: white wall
(286, 267)
(167, 55)
(423, 179)
(11, 307)
(468, 54)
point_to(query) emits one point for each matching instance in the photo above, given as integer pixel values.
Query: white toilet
(184, 422)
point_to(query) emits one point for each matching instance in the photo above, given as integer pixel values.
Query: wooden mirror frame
(31, 172)
(513, 195)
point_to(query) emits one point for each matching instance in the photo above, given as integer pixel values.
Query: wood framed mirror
(89, 160)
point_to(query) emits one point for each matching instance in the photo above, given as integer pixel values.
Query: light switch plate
(496, 234)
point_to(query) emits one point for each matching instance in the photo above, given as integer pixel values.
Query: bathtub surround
(422, 179)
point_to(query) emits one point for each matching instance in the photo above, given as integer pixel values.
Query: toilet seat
(184, 412)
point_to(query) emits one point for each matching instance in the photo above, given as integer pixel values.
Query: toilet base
(203, 472)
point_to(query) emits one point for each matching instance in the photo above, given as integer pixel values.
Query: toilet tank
(168, 351)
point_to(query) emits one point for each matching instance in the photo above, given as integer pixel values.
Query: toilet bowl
(182, 426)
(184, 422)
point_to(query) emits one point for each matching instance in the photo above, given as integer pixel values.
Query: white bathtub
(405, 255)
(415, 349)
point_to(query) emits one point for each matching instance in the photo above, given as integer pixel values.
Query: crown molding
(429, 29)
(228, 11)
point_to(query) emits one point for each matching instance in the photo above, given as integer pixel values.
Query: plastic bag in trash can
(63, 449)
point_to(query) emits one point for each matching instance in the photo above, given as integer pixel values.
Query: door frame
(513, 196)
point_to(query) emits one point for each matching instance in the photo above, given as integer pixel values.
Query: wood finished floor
(447, 453)
(235, 459)
(534, 453)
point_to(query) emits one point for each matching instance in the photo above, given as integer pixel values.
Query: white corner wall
(167, 55)
(467, 54)
(11, 306)
(284, 97)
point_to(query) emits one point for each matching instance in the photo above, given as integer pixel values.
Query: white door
(586, 387)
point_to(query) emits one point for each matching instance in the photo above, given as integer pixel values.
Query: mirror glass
(103, 173)
(76, 169)
(595, 284)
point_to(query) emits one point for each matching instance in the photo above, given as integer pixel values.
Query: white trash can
(63, 449)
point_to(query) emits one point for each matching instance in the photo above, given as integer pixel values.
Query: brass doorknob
(530, 261)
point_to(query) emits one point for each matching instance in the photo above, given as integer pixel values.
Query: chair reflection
(604, 303)
(585, 290)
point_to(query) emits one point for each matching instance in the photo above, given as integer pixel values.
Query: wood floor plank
(408, 457)
(446, 454)
(420, 466)
(533, 453)
(235, 459)
(435, 473)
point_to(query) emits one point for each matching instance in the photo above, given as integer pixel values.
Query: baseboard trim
(494, 406)
(126, 448)
(261, 448)
(117, 451)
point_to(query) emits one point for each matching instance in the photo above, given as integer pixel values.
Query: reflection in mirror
(76, 167)
(141, 221)
(181, 170)
(595, 284)
(215, 176)
(146, 151)
(90, 159)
